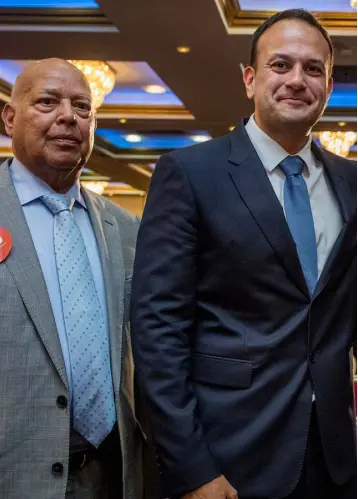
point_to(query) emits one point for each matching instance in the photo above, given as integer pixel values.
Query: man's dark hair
(299, 14)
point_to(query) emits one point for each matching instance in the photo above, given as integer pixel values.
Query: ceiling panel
(5, 141)
(344, 95)
(131, 80)
(123, 139)
(58, 4)
(277, 5)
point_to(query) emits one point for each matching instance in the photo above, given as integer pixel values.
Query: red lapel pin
(5, 243)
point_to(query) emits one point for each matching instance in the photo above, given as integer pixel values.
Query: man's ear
(8, 116)
(330, 85)
(249, 81)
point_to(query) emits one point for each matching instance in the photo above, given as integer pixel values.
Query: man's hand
(217, 489)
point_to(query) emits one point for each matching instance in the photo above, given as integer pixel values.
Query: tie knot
(292, 165)
(58, 202)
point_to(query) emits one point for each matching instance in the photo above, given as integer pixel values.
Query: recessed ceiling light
(122, 120)
(155, 89)
(231, 128)
(132, 137)
(199, 138)
(342, 123)
(183, 49)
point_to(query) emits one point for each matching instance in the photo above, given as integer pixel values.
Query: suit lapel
(254, 187)
(337, 176)
(24, 266)
(108, 240)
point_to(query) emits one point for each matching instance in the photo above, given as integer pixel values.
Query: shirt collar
(270, 152)
(30, 187)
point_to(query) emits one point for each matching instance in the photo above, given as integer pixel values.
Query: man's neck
(60, 179)
(292, 141)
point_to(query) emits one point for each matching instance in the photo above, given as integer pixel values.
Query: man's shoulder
(349, 166)
(123, 217)
(119, 213)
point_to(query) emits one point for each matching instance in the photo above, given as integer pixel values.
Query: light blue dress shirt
(40, 220)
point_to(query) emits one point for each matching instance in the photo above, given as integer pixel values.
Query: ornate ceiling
(203, 91)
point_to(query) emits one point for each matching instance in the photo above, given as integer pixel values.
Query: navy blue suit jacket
(228, 344)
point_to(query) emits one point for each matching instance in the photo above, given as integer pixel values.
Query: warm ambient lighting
(183, 49)
(123, 121)
(342, 123)
(100, 77)
(155, 89)
(231, 128)
(199, 138)
(338, 142)
(133, 138)
(97, 187)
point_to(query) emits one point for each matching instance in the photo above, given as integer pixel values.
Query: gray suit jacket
(34, 431)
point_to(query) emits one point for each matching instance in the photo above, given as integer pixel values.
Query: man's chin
(64, 162)
(296, 117)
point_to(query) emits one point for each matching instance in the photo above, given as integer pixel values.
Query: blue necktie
(93, 401)
(299, 218)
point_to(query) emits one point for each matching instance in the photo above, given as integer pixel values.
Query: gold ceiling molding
(6, 152)
(5, 91)
(237, 18)
(110, 111)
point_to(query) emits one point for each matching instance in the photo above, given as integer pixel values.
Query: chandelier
(100, 76)
(338, 142)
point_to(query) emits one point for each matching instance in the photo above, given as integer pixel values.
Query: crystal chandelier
(338, 142)
(100, 76)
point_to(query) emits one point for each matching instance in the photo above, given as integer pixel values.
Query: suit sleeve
(163, 327)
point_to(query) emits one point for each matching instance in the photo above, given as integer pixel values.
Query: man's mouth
(295, 100)
(66, 139)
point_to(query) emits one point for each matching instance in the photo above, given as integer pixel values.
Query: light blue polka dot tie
(299, 218)
(93, 401)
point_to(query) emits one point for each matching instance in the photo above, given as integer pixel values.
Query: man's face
(290, 83)
(53, 123)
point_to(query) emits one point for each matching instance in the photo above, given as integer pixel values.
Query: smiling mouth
(293, 99)
(66, 140)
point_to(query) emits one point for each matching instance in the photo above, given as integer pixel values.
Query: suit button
(61, 401)
(312, 358)
(57, 469)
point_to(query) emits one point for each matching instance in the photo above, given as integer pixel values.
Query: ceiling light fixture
(133, 138)
(338, 142)
(123, 121)
(199, 138)
(155, 89)
(183, 49)
(100, 76)
(342, 123)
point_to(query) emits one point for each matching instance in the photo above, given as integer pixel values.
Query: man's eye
(47, 101)
(314, 69)
(279, 65)
(83, 106)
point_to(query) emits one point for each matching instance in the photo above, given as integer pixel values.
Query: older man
(243, 292)
(67, 423)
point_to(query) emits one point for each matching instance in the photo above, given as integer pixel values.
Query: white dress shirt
(327, 217)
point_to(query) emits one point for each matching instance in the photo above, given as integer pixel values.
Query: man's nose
(66, 113)
(296, 78)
